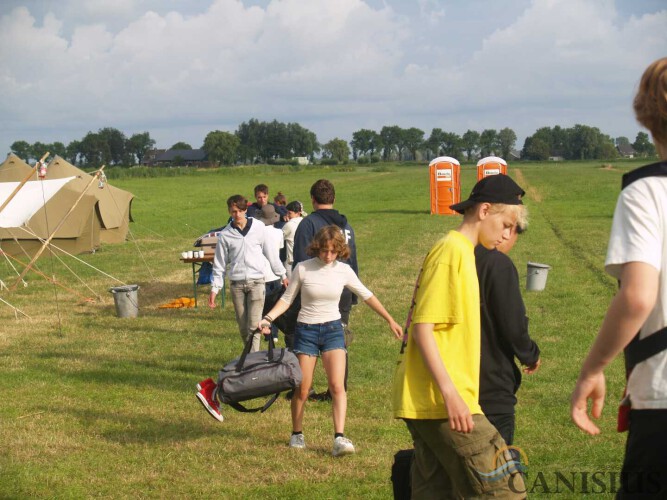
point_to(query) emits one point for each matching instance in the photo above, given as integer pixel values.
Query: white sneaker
(297, 441)
(342, 446)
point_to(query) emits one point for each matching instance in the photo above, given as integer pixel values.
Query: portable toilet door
(491, 165)
(445, 181)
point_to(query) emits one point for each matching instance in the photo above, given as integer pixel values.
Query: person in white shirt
(637, 256)
(294, 218)
(275, 241)
(319, 330)
(241, 247)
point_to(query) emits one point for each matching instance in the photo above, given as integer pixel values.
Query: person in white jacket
(294, 216)
(240, 254)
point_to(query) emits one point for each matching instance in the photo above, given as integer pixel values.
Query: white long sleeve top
(244, 252)
(273, 239)
(321, 285)
(289, 230)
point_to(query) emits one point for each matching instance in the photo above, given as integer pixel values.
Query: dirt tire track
(577, 252)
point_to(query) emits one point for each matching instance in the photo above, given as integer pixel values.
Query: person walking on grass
(637, 257)
(319, 331)
(242, 246)
(458, 452)
(323, 197)
(504, 332)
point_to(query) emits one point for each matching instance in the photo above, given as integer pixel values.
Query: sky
(180, 69)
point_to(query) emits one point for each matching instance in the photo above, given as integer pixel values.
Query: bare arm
(460, 418)
(375, 304)
(627, 312)
(275, 312)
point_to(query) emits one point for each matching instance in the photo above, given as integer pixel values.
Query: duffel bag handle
(248, 346)
(267, 405)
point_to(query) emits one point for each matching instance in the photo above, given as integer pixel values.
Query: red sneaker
(205, 383)
(205, 397)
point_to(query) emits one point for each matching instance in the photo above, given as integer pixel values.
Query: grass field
(98, 406)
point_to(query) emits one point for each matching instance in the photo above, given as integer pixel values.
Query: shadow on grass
(123, 428)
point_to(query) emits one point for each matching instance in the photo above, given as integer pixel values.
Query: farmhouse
(626, 151)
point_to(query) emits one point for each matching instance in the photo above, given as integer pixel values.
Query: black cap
(492, 189)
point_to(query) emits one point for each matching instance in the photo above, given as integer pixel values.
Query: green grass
(94, 405)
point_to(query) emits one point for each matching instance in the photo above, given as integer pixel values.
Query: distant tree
(535, 149)
(37, 150)
(72, 151)
(411, 139)
(181, 145)
(250, 137)
(607, 151)
(115, 152)
(274, 141)
(21, 149)
(391, 136)
(301, 141)
(93, 149)
(452, 145)
(470, 143)
(583, 142)
(488, 142)
(506, 141)
(337, 149)
(643, 145)
(57, 148)
(138, 145)
(365, 142)
(622, 141)
(221, 147)
(434, 142)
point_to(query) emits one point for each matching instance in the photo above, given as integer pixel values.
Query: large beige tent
(101, 215)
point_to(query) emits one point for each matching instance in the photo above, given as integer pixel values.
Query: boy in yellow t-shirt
(458, 453)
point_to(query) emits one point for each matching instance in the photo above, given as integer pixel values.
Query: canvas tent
(101, 215)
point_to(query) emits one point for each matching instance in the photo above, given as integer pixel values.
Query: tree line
(257, 141)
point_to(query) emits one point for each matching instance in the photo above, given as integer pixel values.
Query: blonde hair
(650, 103)
(520, 213)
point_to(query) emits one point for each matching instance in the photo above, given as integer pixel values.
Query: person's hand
(211, 300)
(396, 329)
(460, 419)
(264, 326)
(530, 369)
(593, 388)
(285, 282)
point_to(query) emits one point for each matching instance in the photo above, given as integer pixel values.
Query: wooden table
(196, 265)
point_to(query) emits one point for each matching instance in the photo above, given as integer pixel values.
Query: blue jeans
(313, 339)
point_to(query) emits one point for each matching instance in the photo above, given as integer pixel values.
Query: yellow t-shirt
(448, 297)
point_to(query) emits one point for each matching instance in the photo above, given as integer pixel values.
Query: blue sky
(180, 69)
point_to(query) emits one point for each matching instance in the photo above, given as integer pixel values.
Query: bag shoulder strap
(654, 170)
(639, 350)
(413, 302)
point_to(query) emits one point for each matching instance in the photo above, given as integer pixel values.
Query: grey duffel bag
(256, 375)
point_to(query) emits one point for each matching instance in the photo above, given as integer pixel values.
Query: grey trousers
(248, 300)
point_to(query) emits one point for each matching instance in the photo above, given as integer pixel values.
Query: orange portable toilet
(445, 180)
(491, 165)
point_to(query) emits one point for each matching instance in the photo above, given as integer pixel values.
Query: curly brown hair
(650, 103)
(326, 235)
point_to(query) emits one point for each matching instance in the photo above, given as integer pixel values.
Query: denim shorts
(318, 338)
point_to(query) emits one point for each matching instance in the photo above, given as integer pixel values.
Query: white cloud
(333, 65)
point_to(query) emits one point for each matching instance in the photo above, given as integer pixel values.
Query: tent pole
(22, 183)
(53, 233)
